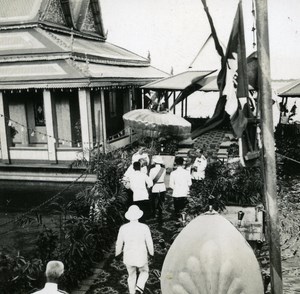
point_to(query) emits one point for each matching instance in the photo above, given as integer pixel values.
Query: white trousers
(133, 281)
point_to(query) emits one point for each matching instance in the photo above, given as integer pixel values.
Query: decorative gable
(54, 13)
(88, 17)
(88, 24)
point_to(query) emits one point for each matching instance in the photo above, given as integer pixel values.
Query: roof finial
(106, 34)
(149, 56)
(172, 70)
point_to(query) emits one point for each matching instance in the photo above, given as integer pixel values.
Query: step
(183, 155)
(222, 152)
(226, 144)
(230, 136)
(46, 177)
(189, 143)
(183, 150)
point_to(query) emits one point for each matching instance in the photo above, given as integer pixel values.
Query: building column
(131, 99)
(86, 121)
(174, 98)
(4, 132)
(103, 121)
(97, 117)
(143, 98)
(50, 125)
(186, 106)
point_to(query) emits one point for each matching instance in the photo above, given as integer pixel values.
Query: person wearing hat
(134, 239)
(54, 271)
(199, 166)
(157, 174)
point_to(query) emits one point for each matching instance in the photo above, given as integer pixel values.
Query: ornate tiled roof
(70, 73)
(34, 43)
(82, 15)
(19, 11)
(60, 43)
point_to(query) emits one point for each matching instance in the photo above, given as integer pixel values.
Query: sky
(173, 31)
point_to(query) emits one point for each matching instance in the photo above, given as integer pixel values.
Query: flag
(219, 116)
(235, 62)
(232, 79)
(213, 30)
(194, 86)
(236, 51)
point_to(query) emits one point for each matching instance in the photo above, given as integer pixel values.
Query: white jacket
(180, 182)
(50, 288)
(136, 239)
(200, 163)
(139, 182)
(159, 186)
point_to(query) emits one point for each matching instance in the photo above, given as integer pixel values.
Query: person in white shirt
(139, 184)
(199, 166)
(141, 154)
(157, 174)
(134, 239)
(54, 270)
(126, 179)
(180, 182)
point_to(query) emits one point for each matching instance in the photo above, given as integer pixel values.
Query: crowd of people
(146, 190)
(145, 184)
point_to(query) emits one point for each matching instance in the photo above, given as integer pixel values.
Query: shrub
(229, 184)
(19, 275)
(78, 250)
(47, 244)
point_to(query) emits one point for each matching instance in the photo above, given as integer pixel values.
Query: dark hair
(179, 160)
(137, 165)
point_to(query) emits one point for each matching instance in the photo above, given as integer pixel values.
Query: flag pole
(269, 163)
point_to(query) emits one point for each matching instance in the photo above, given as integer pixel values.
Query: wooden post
(86, 121)
(97, 116)
(50, 126)
(103, 122)
(174, 98)
(4, 132)
(98, 133)
(143, 98)
(269, 163)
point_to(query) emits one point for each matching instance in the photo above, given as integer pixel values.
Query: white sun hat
(158, 159)
(133, 213)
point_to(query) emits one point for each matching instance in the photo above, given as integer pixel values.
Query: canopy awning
(180, 81)
(154, 124)
(290, 90)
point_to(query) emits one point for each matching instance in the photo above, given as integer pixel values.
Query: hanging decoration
(63, 141)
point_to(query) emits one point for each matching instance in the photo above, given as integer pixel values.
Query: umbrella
(154, 123)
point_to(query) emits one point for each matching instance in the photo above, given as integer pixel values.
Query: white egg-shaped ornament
(210, 256)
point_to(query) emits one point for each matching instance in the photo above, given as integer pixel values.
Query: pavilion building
(63, 88)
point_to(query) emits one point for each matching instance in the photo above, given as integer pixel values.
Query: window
(39, 116)
(112, 104)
